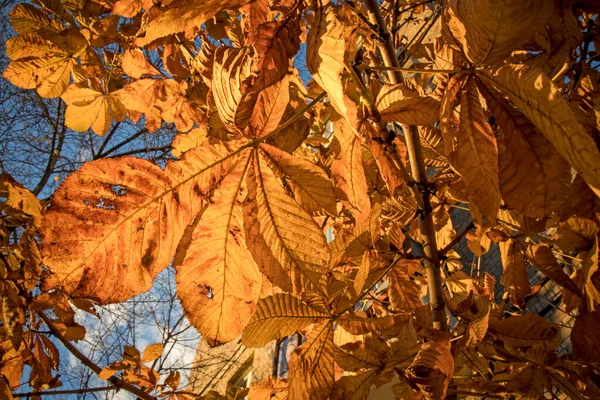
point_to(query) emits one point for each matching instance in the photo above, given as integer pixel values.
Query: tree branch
(72, 391)
(119, 383)
(419, 173)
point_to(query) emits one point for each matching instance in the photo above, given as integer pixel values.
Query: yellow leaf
(152, 352)
(540, 100)
(107, 373)
(406, 105)
(88, 108)
(278, 316)
(219, 282)
(348, 172)
(135, 64)
(26, 18)
(283, 236)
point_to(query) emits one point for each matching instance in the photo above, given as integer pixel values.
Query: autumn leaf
(325, 56)
(219, 282)
(475, 154)
(108, 199)
(135, 64)
(488, 31)
(406, 105)
(89, 108)
(539, 99)
(278, 316)
(48, 68)
(514, 275)
(432, 369)
(311, 374)
(152, 352)
(348, 171)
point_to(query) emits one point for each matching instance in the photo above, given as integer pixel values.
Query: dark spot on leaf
(148, 257)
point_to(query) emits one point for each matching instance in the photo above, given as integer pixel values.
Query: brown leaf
(584, 336)
(488, 31)
(539, 99)
(576, 234)
(546, 262)
(527, 156)
(525, 330)
(270, 107)
(514, 275)
(87, 232)
(475, 154)
(432, 369)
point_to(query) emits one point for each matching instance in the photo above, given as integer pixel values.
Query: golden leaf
(102, 237)
(539, 99)
(325, 56)
(136, 65)
(233, 86)
(584, 336)
(269, 388)
(47, 71)
(576, 234)
(488, 31)
(527, 156)
(218, 282)
(269, 108)
(26, 18)
(284, 236)
(179, 17)
(514, 275)
(545, 261)
(475, 154)
(186, 141)
(407, 105)
(348, 172)
(89, 108)
(309, 183)
(278, 316)
(152, 352)
(311, 374)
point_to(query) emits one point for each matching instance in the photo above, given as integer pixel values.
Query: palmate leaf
(114, 224)
(48, 65)
(406, 105)
(219, 282)
(89, 108)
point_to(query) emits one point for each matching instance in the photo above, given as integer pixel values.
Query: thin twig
(120, 383)
(72, 391)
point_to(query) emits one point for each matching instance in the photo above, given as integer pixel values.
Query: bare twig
(120, 383)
